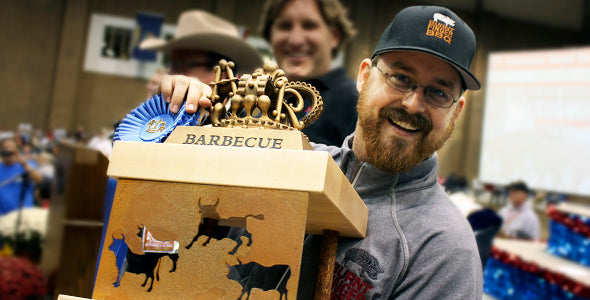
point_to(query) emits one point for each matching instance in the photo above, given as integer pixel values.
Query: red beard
(397, 154)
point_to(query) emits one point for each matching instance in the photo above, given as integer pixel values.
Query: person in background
(520, 220)
(200, 42)
(46, 168)
(418, 244)
(102, 142)
(79, 135)
(18, 177)
(306, 36)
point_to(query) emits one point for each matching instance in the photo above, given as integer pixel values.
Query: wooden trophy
(193, 216)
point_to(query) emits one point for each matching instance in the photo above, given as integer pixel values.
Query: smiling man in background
(306, 36)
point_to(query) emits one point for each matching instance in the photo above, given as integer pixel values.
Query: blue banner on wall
(147, 25)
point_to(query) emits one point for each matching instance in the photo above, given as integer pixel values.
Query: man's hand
(174, 88)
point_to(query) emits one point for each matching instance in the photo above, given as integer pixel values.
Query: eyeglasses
(405, 84)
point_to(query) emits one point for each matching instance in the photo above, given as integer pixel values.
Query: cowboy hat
(201, 30)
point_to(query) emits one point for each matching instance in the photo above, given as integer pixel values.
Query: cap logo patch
(442, 27)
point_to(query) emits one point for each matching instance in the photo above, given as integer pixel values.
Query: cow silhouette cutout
(211, 218)
(147, 263)
(254, 275)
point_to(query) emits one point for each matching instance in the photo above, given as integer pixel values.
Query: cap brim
(471, 83)
(243, 54)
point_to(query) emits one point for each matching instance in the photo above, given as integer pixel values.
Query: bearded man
(418, 245)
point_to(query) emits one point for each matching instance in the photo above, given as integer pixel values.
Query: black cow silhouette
(148, 263)
(211, 219)
(253, 275)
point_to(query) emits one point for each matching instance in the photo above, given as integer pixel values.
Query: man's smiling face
(397, 130)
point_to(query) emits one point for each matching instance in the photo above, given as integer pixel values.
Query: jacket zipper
(356, 172)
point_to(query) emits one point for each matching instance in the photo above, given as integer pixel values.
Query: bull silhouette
(210, 228)
(253, 275)
(148, 263)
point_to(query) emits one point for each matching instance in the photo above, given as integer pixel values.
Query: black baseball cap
(518, 186)
(434, 30)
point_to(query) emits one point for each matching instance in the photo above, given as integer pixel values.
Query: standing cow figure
(254, 275)
(148, 263)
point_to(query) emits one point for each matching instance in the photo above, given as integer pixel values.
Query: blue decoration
(566, 243)
(506, 282)
(152, 121)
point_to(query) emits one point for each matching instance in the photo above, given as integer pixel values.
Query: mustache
(401, 115)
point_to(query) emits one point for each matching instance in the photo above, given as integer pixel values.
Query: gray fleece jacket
(418, 245)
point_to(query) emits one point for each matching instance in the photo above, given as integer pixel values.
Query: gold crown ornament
(263, 99)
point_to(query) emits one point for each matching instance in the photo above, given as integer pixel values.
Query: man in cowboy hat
(200, 41)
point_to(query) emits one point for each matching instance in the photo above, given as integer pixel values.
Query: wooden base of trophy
(270, 198)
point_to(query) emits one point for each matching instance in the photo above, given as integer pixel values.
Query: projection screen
(537, 120)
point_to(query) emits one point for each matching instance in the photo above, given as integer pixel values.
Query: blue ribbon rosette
(152, 122)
